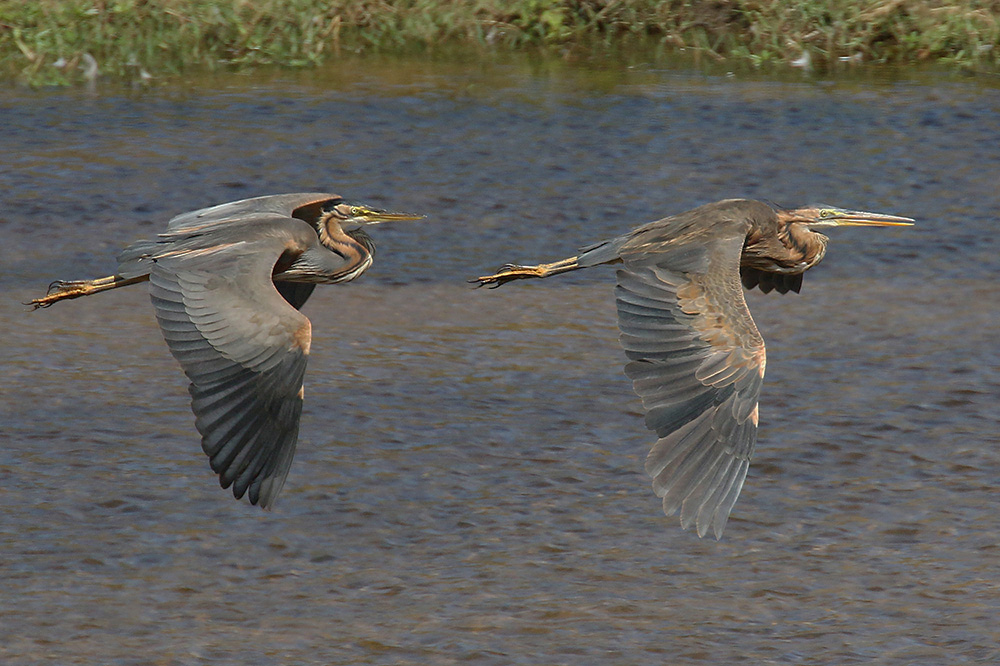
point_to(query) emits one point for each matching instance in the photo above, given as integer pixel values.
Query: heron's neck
(356, 247)
(348, 245)
(791, 250)
(806, 246)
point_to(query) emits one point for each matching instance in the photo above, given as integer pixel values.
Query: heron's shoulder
(719, 219)
(286, 205)
(732, 210)
(256, 233)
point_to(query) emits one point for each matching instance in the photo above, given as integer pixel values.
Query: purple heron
(227, 283)
(695, 356)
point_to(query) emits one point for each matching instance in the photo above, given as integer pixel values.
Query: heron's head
(817, 217)
(352, 217)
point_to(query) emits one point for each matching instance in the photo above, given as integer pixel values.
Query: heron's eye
(357, 211)
(825, 212)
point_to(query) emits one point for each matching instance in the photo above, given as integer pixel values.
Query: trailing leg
(509, 272)
(66, 289)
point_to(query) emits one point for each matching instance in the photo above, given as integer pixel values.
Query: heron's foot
(64, 289)
(507, 273)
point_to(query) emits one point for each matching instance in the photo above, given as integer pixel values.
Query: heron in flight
(227, 283)
(695, 356)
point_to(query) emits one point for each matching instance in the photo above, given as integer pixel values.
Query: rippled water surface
(469, 486)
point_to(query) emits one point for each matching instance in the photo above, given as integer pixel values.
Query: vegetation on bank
(61, 41)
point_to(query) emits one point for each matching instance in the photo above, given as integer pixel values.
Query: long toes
(491, 281)
(36, 303)
(65, 285)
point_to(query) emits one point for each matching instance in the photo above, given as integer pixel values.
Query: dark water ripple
(469, 486)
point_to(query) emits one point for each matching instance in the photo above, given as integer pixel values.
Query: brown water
(469, 486)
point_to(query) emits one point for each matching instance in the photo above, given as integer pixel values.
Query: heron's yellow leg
(66, 289)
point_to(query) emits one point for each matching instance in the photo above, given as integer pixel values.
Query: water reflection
(469, 483)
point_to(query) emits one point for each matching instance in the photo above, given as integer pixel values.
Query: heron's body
(226, 284)
(696, 358)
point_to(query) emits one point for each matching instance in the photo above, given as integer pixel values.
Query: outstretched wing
(243, 347)
(697, 361)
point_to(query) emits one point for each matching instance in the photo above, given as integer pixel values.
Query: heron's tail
(65, 289)
(509, 272)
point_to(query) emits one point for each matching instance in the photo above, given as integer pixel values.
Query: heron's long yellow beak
(372, 216)
(836, 217)
(862, 219)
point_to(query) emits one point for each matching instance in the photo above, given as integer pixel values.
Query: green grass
(45, 41)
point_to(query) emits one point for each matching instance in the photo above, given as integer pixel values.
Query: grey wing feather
(243, 347)
(697, 361)
(135, 260)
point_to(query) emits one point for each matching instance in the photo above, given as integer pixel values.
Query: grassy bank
(57, 41)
